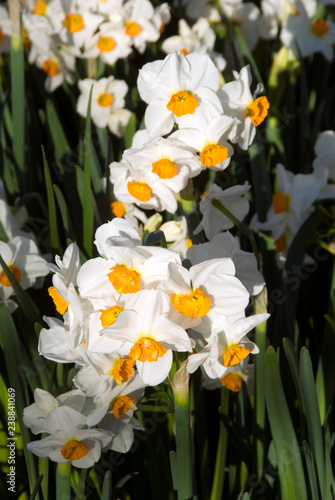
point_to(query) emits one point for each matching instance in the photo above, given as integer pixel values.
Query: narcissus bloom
(214, 221)
(34, 415)
(180, 89)
(227, 346)
(225, 245)
(110, 43)
(107, 102)
(206, 292)
(210, 141)
(21, 255)
(148, 336)
(325, 153)
(237, 101)
(70, 440)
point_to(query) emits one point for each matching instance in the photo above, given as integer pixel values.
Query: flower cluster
(185, 92)
(124, 314)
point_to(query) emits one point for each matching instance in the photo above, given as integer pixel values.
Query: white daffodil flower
(234, 377)
(70, 440)
(227, 346)
(130, 212)
(225, 245)
(306, 37)
(138, 20)
(180, 89)
(208, 291)
(57, 344)
(66, 272)
(22, 256)
(107, 101)
(119, 402)
(34, 415)
(149, 336)
(210, 141)
(214, 221)
(110, 43)
(238, 102)
(78, 24)
(126, 270)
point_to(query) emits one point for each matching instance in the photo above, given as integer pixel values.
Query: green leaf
(18, 106)
(290, 468)
(311, 471)
(87, 206)
(310, 400)
(11, 347)
(64, 212)
(51, 205)
(107, 487)
(37, 485)
(57, 133)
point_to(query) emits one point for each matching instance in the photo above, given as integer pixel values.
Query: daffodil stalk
(183, 433)
(17, 79)
(221, 453)
(63, 480)
(239, 224)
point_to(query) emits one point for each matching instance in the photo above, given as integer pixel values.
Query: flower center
(133, 29)
(234, 354)
(139, 190)
(184, 52)
(15, 271)
(164, 168)
(124, 280)
(106, 44)
(320, 28)
(118, 208)
(122, 370)
(232, 381)
(60, 303)
(120, 405)
(258, 110)
(146, 349)
(182, 103)
(213, 154)
(105, 100)
(109, 316)
(40, 8)
(281, 243)
(194, 304)
(74, 450)
(74, 23)
(281, 202)
(50, 67)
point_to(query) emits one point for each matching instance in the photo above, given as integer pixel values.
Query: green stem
(63, 480)
(221, 453)
(243, 228)
(183, 434)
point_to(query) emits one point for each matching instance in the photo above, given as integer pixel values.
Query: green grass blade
(311, 471)
(64, 212)
(87, 208)
(221, 453)
(51, 206)
(313, 417)
(57, 133)
(107, 487)
(11, 346)
(37, 486)
(290, 468)
(18, 94)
